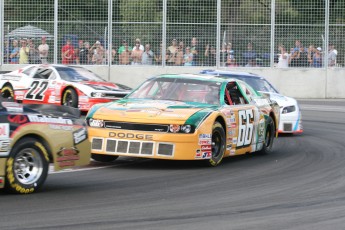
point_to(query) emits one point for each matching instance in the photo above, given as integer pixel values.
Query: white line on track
(326, 108)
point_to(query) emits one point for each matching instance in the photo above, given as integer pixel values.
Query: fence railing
(251, 33)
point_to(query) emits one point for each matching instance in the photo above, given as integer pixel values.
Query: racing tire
(7, 92)
(269, 137)
(218, 145)
(70, 98)
(103, 157)
(26, 167)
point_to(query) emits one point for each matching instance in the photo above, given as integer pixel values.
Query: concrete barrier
(310, 83)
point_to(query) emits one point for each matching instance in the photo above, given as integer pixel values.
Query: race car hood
(281, 99)
(101, 85)
(149, 111)
(88, 87)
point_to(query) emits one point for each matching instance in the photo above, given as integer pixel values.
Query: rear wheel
(7, 92)
(70, 98)
(26, 167)
(269, 137)
(218, 144)
(103, 158)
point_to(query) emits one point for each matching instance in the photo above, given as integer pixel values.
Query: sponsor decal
(228, 147)
(206, 155)
(228, 120)
(83, 98)
(61, 127)
(49, 119)
(5, 145)
(131, 135)
(4, 130)
(206, 147)
(19, 93)
(233, 119)
(234, 140)
(79, 135)
(205, 142)
(67, 157)
(233, 125)
(18, 119)
(198, 154)
(12, 107)
(2, 182)
(51, 99)
(232, 152)
(205, 136)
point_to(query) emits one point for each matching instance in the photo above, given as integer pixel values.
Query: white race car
(290, 114)
(72, 86)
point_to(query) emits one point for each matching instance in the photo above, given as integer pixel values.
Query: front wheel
(103, 158)
(70, 98)
(269, 137)
(218, 145)
(26, 167)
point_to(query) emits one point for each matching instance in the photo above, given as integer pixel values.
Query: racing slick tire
(70, 98)
(218, 145)
(103, 158)
(7, 92)
(26, 167)
(269, 137)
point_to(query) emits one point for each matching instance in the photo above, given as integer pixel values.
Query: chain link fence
(232, 33)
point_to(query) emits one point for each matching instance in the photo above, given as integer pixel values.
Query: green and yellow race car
(184, 117)
(32, 137)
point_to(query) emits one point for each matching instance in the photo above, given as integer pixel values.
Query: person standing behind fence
(147, 56)
(34, 57)
(332, 55)
(136, 54)
(249, 55)
(188, 57)
(125, 55)
(195, 50)
(172, 50)
(84, 53)
(43, 49)
(14, 56)
(67, 53)
(24, 53)
(303, 58)
(283, 57)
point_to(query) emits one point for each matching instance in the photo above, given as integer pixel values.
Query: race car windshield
(77, 74)
(179, 89)
(259, 84)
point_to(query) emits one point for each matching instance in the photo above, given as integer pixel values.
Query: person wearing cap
(316, 59)
(43, 49)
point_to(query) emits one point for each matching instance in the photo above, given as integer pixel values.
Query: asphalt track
(299, 186)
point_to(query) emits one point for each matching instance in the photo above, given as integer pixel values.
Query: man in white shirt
(43, 51)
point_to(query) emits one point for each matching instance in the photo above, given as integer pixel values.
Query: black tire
(269, 137)
(26, 167)
(7, 92)
(218, 145)
(103, 158)
(70, 98)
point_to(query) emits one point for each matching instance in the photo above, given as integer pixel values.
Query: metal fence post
(56, 8)
(273, 9)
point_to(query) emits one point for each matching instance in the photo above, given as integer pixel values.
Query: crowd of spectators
(177, 53)
(299, 56)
